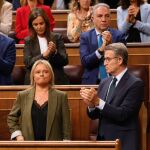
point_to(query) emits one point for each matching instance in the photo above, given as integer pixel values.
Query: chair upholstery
(74, 73)
(18, 75)
(141, 72)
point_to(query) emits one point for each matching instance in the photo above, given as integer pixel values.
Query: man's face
(112, 63)
(101, 18)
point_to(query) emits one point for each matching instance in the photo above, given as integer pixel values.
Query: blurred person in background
(22, 16)
(79, 19)
(44, 44)
(133, 18)
(7, 59)
(5, 17)
(112, 3)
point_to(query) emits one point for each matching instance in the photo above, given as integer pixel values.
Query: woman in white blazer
(5, 17)
(133, 18)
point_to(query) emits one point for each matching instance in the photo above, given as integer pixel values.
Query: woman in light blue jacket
(133, 18)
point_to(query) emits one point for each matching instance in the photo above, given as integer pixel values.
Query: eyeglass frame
(108, 59)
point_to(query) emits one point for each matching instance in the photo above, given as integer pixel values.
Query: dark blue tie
(102, 71)
(111, 90)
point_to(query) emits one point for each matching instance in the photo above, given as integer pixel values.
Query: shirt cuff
(98, 54)
(15, 134)
(101, 104)
(91, 109)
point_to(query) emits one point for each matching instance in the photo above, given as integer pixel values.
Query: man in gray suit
(118, 100)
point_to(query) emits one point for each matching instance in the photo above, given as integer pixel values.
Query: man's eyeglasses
(108, 59)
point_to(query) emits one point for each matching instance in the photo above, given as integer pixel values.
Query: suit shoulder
(88, 33)
(25, 92)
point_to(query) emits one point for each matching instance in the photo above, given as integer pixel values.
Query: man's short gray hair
(99, 5)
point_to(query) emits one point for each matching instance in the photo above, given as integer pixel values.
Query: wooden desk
(60, 145)
(139, 53)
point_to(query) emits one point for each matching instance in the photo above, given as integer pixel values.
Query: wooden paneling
(139, 53)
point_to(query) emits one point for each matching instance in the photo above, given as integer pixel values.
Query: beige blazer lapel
(52, 104)
(29, 102)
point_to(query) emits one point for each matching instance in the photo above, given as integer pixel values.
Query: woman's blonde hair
(47, 64)
(75, 5)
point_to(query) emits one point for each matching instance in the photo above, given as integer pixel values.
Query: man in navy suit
(7, 59)
(90, 55)
(117, 112)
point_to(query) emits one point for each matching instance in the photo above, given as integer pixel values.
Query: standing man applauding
(93, 42)
(118, 100)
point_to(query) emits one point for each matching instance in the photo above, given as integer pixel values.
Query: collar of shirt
(97, 32)
(120, 75)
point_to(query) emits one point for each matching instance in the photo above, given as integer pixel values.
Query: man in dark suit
(117, 108)
(90, 55)
(7, 59)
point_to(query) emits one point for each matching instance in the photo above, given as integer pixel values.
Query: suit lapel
(94, 45)
(52, 104)
(29, 102)
(36, 47)
(122, 83)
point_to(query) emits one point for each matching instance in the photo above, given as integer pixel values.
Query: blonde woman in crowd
(5, 17)
(79, 19)
(40, 112)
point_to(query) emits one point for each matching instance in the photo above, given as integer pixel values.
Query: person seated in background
(22, 15)
(7, 59)
(113, 4)
(79, 19)
(16, 4)
(43, 44)
(40, 112)
(5, 17)
(93, 42)
(57, 4)
(118, 100)
(133, 18)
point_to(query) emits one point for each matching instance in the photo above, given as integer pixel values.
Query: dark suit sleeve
(59, 59)
(130, 106)
(87, 53)
(29, 58)
(7, 57)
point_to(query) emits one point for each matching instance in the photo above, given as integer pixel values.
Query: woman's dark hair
(126, 3)
(36, 12)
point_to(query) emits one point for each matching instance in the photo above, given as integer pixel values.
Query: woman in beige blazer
(5, 17)
(40, 112)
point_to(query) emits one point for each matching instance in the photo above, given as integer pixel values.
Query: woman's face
(42, 75)
(39, 26)
(85, 4)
